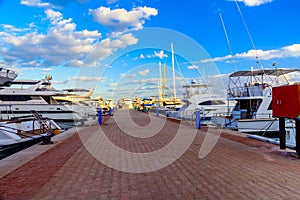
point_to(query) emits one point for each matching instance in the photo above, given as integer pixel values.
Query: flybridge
(269, 72)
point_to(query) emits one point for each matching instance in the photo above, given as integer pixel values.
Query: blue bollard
(198, 120)
(157, 111)
(100, 116)
(110, 112)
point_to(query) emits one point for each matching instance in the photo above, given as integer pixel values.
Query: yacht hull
(57, 112)
(257, 126)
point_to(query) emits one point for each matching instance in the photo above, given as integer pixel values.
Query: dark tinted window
(15, 98)
(212, 102)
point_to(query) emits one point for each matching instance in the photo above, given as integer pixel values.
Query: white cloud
(122, 20)
(160, 54)
(156, 54)
(11, 28)
(86, 78)
(62, 44)
(107, 46)
(192, 67)
(127, 75)
(284, 52)
(37, 3)
(111, 1)
(144, 72)
(77, 79)
(54, 16)
(112, 84)
(254, 2)
(48, 69)
(33, 63)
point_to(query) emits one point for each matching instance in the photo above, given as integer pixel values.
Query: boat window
(47, 99)
(15, 98)
(35, 97)
(270, 106)
(212, 102)
(83, 103)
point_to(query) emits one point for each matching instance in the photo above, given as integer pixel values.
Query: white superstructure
(23, 97)
(252, 90)
(201, 96)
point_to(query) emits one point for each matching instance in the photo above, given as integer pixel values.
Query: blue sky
(114, 46)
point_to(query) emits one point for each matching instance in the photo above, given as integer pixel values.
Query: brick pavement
(236, 168)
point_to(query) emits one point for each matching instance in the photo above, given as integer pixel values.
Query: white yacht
(80, 101)
(125, 103)
(253, 92)
(23, 97)
(200, 96)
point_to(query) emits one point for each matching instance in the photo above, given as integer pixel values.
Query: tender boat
(19, 133)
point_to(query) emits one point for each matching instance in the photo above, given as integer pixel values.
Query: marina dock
(236, 167)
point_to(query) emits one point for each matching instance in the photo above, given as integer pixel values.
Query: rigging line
(227, 38)
(178, 67)
(247, 29)
(229, 45)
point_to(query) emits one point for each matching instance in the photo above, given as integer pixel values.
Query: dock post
(297, 120)
(282, 133)
(156, 111)
(110, 112)
(99, 116)
(198, 121)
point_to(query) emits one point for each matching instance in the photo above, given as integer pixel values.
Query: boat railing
(249, 91)
(262, 115)
(242, 114)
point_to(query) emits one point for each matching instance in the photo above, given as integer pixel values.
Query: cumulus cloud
(284, 52)
(60, 45)
(48, 69)
(112, 84)
(253, 2)
(144, 72)
(156, 54)
(37, 3)
(57, 46)
(111, 1)
(50, 3)
(77, 79)
(11, 28)
(160, 54)
(120, 20)
(192, 67)
(127, 75)
(107, 46)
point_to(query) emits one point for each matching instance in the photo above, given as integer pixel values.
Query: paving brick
(236, 168)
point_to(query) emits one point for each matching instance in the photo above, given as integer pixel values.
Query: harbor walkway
(77, 167)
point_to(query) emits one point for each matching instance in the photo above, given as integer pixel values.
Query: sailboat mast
(164, 83)
(173, 71)
(159, 84)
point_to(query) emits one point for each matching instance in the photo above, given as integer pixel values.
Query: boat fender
(56, 132)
